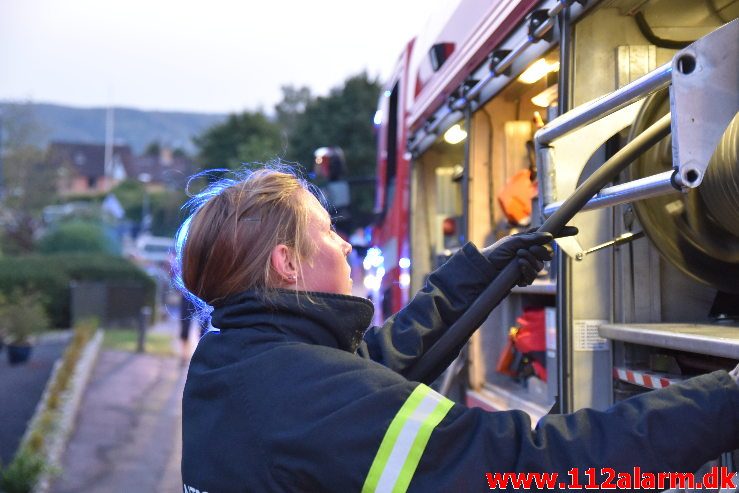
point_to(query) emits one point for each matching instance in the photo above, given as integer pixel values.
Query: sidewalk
(128, 433)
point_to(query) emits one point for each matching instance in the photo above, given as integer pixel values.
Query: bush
(22, 316)
(165, 206)
(78, 237)
(22, 473)
(51, 275)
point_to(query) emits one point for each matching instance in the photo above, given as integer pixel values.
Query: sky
(210, 56)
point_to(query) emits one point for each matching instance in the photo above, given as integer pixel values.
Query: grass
(157, 343)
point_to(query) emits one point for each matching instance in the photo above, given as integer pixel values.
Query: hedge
(50, 275)
(78, 236)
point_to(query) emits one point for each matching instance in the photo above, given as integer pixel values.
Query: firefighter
(294, 393)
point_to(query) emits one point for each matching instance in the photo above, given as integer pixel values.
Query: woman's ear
(283, 263)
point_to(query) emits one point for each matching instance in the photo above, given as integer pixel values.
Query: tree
(153, 149)
(27, 183)
(302, 125)
(243, 138)
(166, 212)
(165, 206)
(293, 104)
(130, 194)
(344, 119)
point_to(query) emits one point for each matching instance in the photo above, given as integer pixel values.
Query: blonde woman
(295, 393)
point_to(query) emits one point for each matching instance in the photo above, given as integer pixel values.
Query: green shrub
(22, 473)
(36, 441)
(50, 275)
(83, 333)
(22, 316)
(78, 237)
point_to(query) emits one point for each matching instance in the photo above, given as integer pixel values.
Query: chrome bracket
(703, 99)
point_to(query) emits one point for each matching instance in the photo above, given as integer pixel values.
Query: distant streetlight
(145, 179)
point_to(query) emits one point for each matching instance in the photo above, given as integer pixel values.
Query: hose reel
(697, 232)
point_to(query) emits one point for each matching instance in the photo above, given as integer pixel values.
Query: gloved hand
(528, 249)
(735, 374)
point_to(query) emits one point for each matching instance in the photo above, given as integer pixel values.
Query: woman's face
(327, 270)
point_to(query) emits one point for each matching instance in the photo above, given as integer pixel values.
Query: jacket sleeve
(447, 293)
(670, 430)
(355, 425)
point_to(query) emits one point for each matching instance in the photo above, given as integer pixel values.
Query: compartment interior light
(455, 134)
(537, 70)
(546, 97)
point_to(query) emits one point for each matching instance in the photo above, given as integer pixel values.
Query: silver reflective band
(405, 441)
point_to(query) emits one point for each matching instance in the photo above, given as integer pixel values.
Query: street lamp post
(145, 226)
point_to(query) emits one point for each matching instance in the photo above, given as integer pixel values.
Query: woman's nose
(347, 248)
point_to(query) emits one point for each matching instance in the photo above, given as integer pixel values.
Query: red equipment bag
(525, 352)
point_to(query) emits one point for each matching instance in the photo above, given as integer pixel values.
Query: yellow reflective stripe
(419, 444)
(405, 441)
(391, 435)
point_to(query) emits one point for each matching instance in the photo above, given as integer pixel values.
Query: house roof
(87, 159)
(172, 171)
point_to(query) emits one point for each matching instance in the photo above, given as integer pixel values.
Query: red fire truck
(495, 114)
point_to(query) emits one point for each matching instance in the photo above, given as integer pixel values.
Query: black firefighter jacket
(294, 395)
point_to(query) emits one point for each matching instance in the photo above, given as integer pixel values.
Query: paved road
(21, 387)
(128, 431)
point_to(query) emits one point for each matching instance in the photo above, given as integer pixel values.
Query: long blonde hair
(224, 246)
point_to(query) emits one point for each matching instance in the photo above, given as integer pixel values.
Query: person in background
(188, 313)
(296, 393)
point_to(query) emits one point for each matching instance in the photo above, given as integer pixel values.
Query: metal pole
(563, 399)
(604, 106)
(465, 233)
(144, 316)
(109, 122)
(643, 188)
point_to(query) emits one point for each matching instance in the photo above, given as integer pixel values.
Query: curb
(56, 441)
(56, 335)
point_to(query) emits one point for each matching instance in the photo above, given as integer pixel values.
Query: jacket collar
(333, 320)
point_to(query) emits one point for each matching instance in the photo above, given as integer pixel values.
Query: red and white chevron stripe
(644, 378)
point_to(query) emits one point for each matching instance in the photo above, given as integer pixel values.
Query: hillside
(136, 128)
